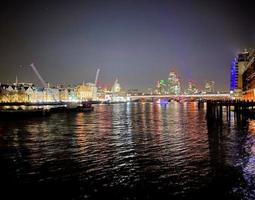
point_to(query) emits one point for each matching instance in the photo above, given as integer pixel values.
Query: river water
(128, 151)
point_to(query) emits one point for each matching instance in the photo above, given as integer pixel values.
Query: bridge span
(183, 96)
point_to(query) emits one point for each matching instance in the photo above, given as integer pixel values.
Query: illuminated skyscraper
(163, 86)
(157, 89)
(192, 89)
(173, 84)
(236, 71)
(209, 87)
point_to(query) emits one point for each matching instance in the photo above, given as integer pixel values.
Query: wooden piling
(242, 109)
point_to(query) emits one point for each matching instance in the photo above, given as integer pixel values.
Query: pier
(19, 110)
(241, 108)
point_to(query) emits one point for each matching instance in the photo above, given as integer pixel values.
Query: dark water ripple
(128, 151)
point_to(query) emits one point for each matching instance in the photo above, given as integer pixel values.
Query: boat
(85, 107)
(82, 107)
(162, 101)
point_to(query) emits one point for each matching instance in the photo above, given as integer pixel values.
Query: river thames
(128, 151)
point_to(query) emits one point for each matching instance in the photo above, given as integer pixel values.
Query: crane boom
(41, 79)
(96, 79)
(38, 75)
(94, 92)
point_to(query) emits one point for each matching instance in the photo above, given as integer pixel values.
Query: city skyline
(182, 85)
(127, 99)
(138, 42)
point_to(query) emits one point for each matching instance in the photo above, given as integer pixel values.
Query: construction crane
(41, 79)
(38, 75)
(96, 79)
(95, 88)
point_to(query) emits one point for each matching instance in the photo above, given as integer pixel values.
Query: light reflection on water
(130, 150)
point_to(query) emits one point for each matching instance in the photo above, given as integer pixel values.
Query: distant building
(116, 87)
(209, 87)
(157, 88)
(161, 87)
(173, 84)
(192, 89)
(134, 92)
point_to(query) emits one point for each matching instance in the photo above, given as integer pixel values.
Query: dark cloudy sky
(137, 41)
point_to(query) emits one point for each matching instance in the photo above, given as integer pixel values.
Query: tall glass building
(237, 69)
(209, 87)
(174, 86)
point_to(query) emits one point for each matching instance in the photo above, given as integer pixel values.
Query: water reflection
(249, 165)
(128, 151)
(232, 160)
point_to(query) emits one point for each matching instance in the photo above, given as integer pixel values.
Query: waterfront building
(13, 93)
(209, 87)
(94, 90)
(37, 95)
(173, 84)
(238, 66)
(51, 94)
(63, 94)
(71, 93)
(84, 92)
(29, 92)
(249, 79)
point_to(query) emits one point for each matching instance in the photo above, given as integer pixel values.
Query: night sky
(137, 41)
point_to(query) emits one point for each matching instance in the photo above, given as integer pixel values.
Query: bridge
(182, 96)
